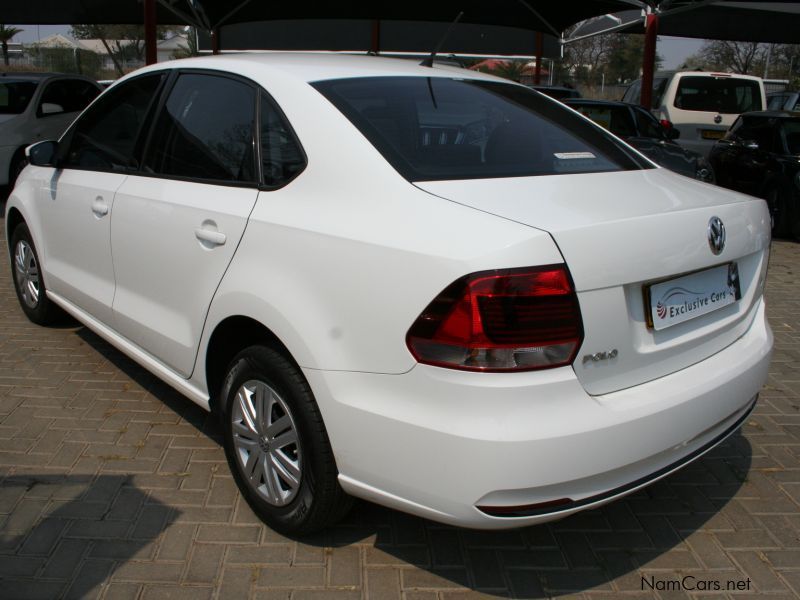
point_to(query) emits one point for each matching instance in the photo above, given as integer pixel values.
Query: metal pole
(649, 61)
(376, 36)
(215, 41)
(150, 55)
(537, 77)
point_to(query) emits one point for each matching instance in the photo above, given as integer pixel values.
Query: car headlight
(704, 171)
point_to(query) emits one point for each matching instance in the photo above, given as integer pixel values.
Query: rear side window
(205, 130)
(15, 96)
(281, 156)
(617, 119)
(104, 138)
(724, 95)
(648, 125)
(776, 102)
(435, 128)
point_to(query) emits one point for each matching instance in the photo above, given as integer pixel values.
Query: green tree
(6, 33)
(624, 62)
(736, 57)
(190, 49)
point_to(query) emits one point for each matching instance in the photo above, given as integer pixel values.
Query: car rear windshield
(15, 96)
(724, 95)
(437, 128)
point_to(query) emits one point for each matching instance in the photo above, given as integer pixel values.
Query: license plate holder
(712, 134)
(687, 297)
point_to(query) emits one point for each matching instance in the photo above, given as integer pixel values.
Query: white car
(700, 105)
(36, 107)
(426, 287)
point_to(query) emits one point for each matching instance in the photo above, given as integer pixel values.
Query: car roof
(773, 114)
(706, 74)
(33, 76)
(317, 66)
(571, 101)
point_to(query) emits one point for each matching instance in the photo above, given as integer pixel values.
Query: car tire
(28, 281)
(778, 207)
(277, 445)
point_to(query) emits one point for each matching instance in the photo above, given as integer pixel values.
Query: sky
(674, 50)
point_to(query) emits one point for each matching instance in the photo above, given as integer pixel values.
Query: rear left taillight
(504, 320)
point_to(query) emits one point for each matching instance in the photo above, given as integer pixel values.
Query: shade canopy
(539, 15)
(776, 21)
(392, 36)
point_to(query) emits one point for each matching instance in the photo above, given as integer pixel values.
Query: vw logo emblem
(716, 235)
(718, 119)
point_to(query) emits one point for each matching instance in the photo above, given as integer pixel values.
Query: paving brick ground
(114, 486)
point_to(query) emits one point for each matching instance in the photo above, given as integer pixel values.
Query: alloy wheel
(27, 273)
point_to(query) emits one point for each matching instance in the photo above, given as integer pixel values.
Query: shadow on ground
(646, 530)
(62, 536)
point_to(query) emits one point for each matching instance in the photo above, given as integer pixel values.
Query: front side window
(790, 132)
(648, 125)
(617, 119)
(205, 130)
(436, 128)
(724, 95)
(15, 96)
(70, 95)
(104, 138)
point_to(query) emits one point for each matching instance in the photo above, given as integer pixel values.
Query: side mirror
(49, 108)
(673, 133)
(42, 154)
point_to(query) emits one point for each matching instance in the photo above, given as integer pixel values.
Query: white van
(701, 106)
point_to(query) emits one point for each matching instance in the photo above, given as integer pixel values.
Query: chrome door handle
(99, 208)
(212, 237)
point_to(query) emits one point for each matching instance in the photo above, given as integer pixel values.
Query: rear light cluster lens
(506, 320)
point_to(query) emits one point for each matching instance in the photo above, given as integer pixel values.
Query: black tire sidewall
(266, 365)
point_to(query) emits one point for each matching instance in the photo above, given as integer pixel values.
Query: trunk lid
(620, 232)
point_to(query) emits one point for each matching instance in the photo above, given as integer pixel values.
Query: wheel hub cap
(266, 444)
(27, 273)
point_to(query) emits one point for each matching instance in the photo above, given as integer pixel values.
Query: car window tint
(436, 128)
(659, 87)
(15, 96)
(104, 138)
(617, 119)
(205, 130)
(759, 130)
(72, 95)
(648, 125)
(790, 130)
(281, 155)
(776, 102)
(725, 95)
(633, 91)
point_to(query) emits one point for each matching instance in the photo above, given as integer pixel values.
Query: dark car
(760, 156)
(557, 92)
(642, 130)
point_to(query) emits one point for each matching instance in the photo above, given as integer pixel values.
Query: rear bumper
(439, 443)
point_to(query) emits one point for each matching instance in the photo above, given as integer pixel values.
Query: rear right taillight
(504, 320)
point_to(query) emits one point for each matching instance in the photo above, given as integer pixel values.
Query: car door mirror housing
(50, 108)
(42, 154)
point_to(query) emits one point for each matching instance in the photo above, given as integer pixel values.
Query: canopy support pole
(537, 76)
(150, 54)
(375, 46)
(649, 61)
(215, 41)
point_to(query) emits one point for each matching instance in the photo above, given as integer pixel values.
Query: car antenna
(428, 62)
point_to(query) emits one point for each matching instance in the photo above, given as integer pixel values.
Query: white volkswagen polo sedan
(430, 288)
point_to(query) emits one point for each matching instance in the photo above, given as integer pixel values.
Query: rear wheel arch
(230, 336)
(13, 220)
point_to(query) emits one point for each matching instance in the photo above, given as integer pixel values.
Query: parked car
(557, 92)
(36, 107)
(785, 100)
(640, 129)
(437, 290)
(701, 105)
(759, 156)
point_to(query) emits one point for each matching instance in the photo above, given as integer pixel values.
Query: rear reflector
(505, 320)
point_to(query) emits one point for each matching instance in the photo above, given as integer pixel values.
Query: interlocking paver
(114, 486)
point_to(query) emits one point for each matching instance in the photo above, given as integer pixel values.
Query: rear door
(178, 222)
